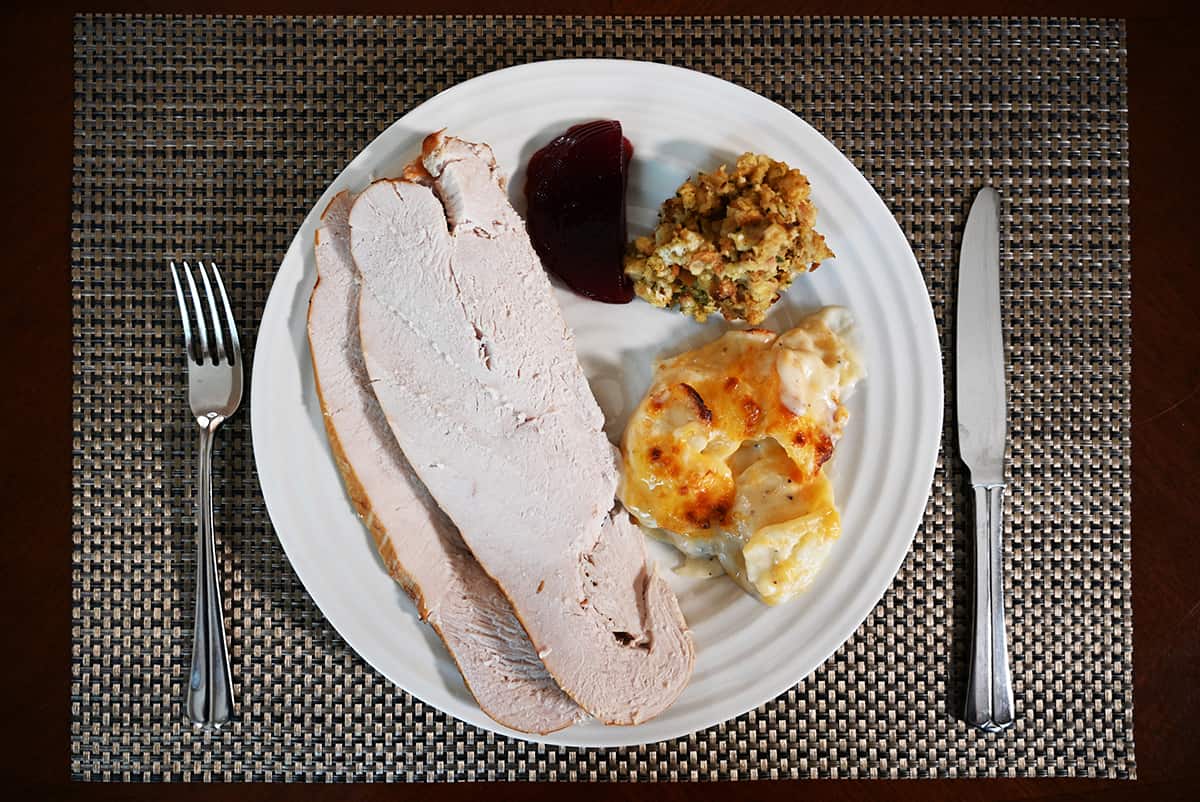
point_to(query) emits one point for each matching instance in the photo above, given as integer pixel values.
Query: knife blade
(982, 431)
(982, 415)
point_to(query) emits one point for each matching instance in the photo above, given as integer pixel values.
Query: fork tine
(235, 347)
(183, 313)
(216, 317)
(204, 350)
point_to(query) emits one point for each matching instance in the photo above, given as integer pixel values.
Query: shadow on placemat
(227, 153)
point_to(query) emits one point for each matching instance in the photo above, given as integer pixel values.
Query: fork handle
(210, 684)
(989, 704)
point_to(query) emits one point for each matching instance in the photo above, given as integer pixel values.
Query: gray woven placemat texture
(213, 137)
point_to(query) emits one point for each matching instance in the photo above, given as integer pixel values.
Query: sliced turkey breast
(419, 545)
(477, 374)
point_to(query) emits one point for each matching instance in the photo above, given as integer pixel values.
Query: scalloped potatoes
(723, 456)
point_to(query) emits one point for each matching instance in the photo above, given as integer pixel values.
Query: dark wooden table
(35, 402)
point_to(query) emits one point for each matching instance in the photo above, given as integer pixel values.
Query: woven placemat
(213, 137)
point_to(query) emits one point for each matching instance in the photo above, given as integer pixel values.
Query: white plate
(679, 122)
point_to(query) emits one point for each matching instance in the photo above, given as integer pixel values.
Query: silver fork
(214, 392)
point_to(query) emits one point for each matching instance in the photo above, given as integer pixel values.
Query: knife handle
(989, 705)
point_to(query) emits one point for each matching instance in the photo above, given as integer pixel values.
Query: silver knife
(982, 431)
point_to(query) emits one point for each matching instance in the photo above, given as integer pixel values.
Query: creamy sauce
(700, 568)
(816, 364)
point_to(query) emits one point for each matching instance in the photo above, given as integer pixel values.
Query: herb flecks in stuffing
(730, 242)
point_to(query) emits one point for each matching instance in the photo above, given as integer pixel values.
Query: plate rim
(276, 307)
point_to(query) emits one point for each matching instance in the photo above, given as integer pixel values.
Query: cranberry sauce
(576, 194)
